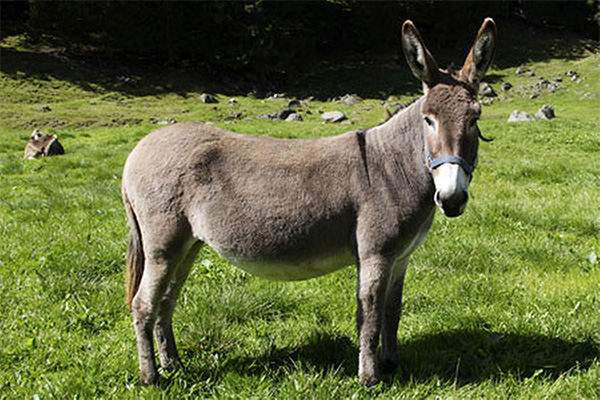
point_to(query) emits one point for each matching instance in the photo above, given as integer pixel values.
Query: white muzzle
(451, 189)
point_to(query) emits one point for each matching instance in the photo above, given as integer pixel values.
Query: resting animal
(42, 145)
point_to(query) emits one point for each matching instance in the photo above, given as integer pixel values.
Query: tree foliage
(267, 35)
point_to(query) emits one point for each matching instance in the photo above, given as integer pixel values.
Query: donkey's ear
(419, 59)
(480, 57)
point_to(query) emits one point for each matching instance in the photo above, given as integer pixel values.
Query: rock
(294, 117)
(546, 112)
(233, 116)
(350, 99)
(574, 75)
(506, 86)
(294, 104)
(333, 116)
(520, 116)
(208, 98)
(232, 102)
(283, 114)
(44, 108)
(486, 90)
(521, 70)
(166, 121)
(524, 71)
(545, 84)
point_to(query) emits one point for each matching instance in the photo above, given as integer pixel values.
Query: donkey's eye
(428, 121)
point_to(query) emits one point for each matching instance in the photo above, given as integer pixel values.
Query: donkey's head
(450, 112)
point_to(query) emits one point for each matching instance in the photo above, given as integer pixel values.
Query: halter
(436, 162)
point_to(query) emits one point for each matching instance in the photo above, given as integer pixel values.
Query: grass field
(503, 302)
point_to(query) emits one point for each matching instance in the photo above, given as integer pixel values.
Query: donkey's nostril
(465, 196)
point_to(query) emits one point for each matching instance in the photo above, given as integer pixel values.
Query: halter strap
(436, 162)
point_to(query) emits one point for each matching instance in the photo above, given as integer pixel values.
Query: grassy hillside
(503, 302)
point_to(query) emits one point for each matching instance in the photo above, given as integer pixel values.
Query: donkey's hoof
(175, 365)
(369, 381)
(149, 379)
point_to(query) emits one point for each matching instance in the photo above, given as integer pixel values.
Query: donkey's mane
(401, 107)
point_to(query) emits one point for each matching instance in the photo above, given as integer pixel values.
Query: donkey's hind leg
(161, 262)
(163, 329)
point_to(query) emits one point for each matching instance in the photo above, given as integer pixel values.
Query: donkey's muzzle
(453, 205)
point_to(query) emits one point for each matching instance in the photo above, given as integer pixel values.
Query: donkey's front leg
(373, 277)
(391, 316)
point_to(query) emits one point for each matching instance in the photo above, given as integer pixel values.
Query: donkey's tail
(134, 266)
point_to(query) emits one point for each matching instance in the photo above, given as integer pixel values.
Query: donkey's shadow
(466, 356)
(458, 356)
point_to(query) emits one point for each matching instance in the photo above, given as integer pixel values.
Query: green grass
(503, 302)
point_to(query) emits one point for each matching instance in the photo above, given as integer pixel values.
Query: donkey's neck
(400, 143)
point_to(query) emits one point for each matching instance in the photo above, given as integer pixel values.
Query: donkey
(297, 209)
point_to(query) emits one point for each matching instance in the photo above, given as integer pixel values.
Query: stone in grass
(571, 73)
(333, 116)
(283, 114)
(521, 70)
(546, 112)
(208, 98)
(166, 121)
(350, 99)
(486, 91)
(294, 103)
(294, 117)
(506, 86)
(520, 116)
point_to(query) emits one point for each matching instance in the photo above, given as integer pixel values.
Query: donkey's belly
(293, 268)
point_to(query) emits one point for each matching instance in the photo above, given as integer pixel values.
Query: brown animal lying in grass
(42, 145)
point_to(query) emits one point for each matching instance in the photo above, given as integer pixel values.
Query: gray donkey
(298, 209)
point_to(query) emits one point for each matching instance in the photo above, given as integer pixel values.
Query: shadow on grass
(466, 356)
(321, 354)
(368, 75)
(456, 357)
